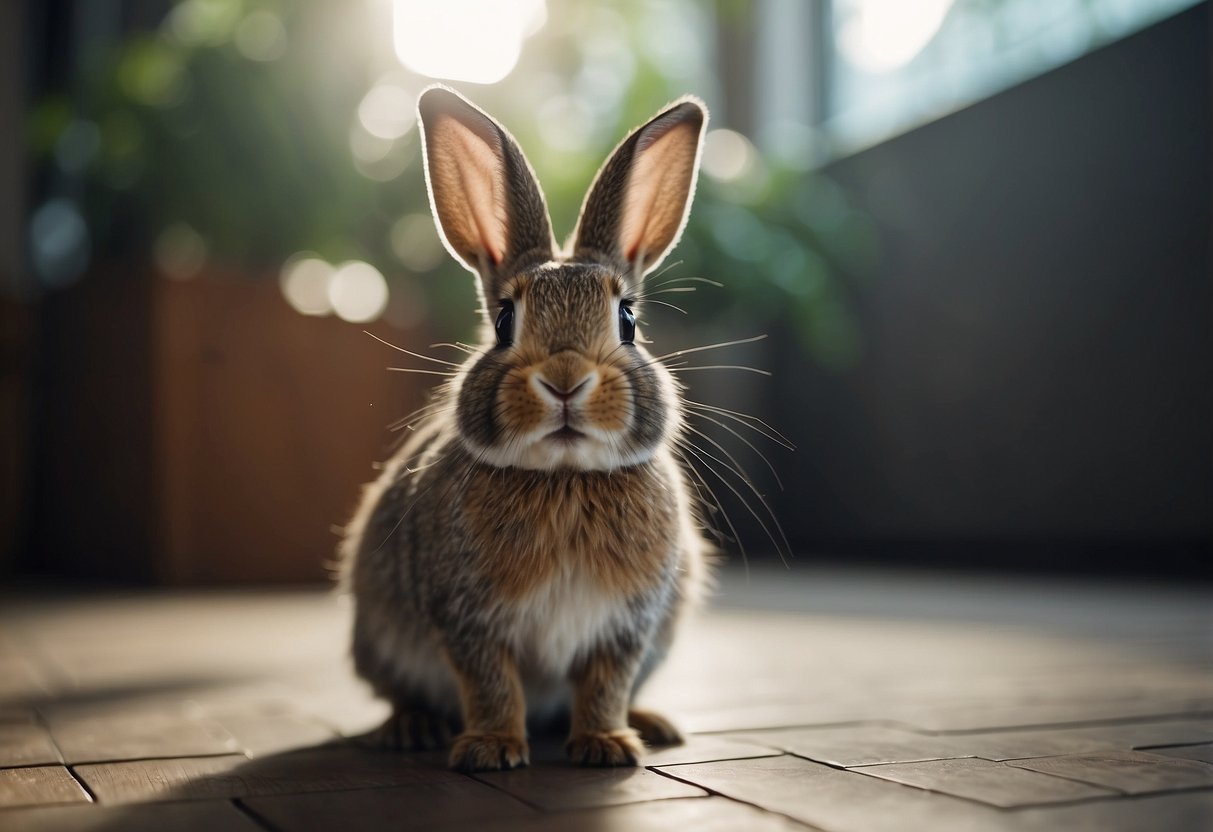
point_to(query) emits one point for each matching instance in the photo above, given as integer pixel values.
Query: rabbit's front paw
(489, 752)
(607, 748)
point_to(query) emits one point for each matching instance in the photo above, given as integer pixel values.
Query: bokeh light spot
(203, 22)
(59, 242)
(261, 36)
(357, 292)
(305, 284)
(414, 241)
(727, 155)
(180, 252)
(150, 72)
(387, 111)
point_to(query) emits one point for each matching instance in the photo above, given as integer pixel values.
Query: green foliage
(240, 120)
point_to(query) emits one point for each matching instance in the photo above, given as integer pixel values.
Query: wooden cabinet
(204, 432)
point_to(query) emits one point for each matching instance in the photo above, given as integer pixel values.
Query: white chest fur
(561, 620)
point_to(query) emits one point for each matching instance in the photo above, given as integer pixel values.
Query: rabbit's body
(566, 582)
(529, 551)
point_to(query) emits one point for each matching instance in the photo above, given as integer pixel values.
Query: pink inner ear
(469, 192)
(657, 192)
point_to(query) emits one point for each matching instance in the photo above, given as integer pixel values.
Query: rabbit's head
(560, 379)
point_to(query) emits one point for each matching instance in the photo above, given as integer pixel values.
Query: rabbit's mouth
(565, 434)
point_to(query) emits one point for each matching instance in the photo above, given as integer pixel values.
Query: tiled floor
(838, 701)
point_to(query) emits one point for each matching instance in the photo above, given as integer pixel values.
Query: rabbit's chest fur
(554, 539)
(560, 619)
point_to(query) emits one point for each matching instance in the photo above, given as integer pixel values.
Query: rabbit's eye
(627, 323)
(505, 324)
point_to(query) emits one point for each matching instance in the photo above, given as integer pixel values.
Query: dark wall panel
(1038, 363)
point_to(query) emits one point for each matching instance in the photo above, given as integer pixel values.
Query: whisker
(666, 268)
(720, 536)
(422, 372)
(690, 350)
(701, 486)
(666, 291)
(745, 419)
(674, 280)
(458, 345)
(410, 352)
(736, 466)
(723, 367)
(748, 443)
(412, 421)
(699, 454)
(662, 303)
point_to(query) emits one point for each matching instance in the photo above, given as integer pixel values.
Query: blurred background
(976, 234)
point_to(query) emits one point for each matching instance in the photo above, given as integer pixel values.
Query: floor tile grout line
(473, 777)
(120, 760)
(714, 793)
(775, 752)
(92, 796)
(50, 734)
(1209, 741)
(253, 815)
(1116, 792)
(1120, 792)
(1112, 795)
(42, 764)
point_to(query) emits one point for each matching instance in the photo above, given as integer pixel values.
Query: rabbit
(530, 550)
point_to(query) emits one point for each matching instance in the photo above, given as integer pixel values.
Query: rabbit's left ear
(639, 202)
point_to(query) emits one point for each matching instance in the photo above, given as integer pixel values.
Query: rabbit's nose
(564, 395)
(564, 378)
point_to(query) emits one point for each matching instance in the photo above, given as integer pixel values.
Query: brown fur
(526, 525)
(536, 537)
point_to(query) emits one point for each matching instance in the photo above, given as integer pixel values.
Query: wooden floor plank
(194, 816)
(39, 785)
(26, 744)
(695, 814)
(465, 802)
(335, 769)
(835, 800)
(564, 787)
(998, 784)
(1131, 772)
(86, 735)
(258, 735)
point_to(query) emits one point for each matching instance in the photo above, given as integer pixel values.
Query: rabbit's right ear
(486, 200)
(638, 204)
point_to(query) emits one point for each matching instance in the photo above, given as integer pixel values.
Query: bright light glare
(882, 35)
(478, 41)
(727, 155)
(305, 284)
(357, 292)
